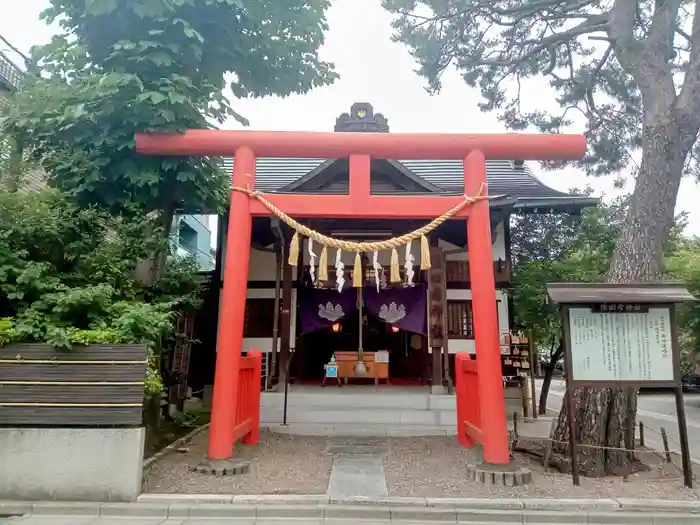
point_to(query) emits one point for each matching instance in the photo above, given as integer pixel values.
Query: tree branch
(593, 24)
(688, 102)
(647, 61)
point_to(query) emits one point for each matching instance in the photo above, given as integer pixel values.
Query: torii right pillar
(484, 307)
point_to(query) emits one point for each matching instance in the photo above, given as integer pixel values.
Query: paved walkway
(358, 468)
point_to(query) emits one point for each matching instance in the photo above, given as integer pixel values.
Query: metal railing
(10, 75)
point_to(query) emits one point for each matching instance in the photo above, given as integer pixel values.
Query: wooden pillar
(436, 315)
(285, 321)
(484, 305)
(229, 342)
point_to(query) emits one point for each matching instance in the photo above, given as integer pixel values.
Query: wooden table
(375, 370)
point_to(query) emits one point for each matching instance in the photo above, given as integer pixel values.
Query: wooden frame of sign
(622, 336)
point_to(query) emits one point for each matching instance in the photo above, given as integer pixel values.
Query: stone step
(362, 430)
(353, 415)
(353, 398)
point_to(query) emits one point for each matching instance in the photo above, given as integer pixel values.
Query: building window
(259, 317)
(460, 320)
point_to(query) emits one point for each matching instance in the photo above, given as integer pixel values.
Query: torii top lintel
(497, 146)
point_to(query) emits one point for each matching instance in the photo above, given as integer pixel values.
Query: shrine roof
(505, 179)
(512, 182)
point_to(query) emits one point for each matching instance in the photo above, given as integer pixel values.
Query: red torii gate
(360, 148)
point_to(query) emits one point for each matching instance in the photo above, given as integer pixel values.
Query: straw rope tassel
(294, 250)
(357, 271)
(358, 247)
(424, 253)
(323, 265)
(395, 275)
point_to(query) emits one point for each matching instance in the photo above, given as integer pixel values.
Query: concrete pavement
(155, 509)
(655, 411)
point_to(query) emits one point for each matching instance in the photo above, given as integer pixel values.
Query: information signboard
(621, 336)
(621, 343)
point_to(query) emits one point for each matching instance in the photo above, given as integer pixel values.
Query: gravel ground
(280, 464)
(417, 467)
(434, 467)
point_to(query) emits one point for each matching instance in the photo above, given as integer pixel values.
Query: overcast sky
(375, 70)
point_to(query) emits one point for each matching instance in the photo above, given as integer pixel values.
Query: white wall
(467, 345)
(264, 344)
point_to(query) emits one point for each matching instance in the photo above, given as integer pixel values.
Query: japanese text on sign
(616, 345)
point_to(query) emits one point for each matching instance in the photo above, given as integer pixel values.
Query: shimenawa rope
(358, 247)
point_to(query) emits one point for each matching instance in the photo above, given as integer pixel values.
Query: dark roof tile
(505, 179)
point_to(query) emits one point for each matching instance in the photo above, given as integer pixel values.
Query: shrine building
(332, 312)
(396, 343)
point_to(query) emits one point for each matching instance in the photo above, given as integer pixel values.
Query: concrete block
(571, 504)
(393, 501)
(488, 516)
(90, 464)
(659, 505)
(620, 518)
(477, 503)
(221, 510)
(442, 402)
(14, 508)
(289, 511)
(357, 513)
(671, 518)
(280, 499)
(347, 522)
(275, 521)
(55, 520)
(179, 510)
(417, 417)
(66, 508)
(135, 510)
(219, 521)
(423, 514)
(553, 516)
(185, 498)
(113, 520)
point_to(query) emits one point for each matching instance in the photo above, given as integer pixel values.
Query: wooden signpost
(622, 336)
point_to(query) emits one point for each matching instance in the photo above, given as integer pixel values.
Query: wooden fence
(468, 406)
(248, 406)
(96, 385)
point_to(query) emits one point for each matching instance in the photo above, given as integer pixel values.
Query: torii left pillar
(229, 342)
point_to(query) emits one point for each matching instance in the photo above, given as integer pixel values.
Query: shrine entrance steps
(384, 411)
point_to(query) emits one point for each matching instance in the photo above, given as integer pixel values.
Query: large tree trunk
(606, 417)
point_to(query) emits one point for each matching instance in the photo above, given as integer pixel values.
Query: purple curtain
(320, 309)
(405, 308)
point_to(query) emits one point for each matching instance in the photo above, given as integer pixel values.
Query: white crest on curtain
(330, 311)
(391, 313)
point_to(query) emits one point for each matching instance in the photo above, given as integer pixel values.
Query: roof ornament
(362, 118)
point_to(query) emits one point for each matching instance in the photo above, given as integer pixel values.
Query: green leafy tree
(627, 69)
(684, 265)
(120, 67)
(558, 248)
(67, 277)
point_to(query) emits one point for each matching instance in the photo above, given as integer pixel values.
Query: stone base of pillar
(438, 389)
(505, 475)
(222, 467)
